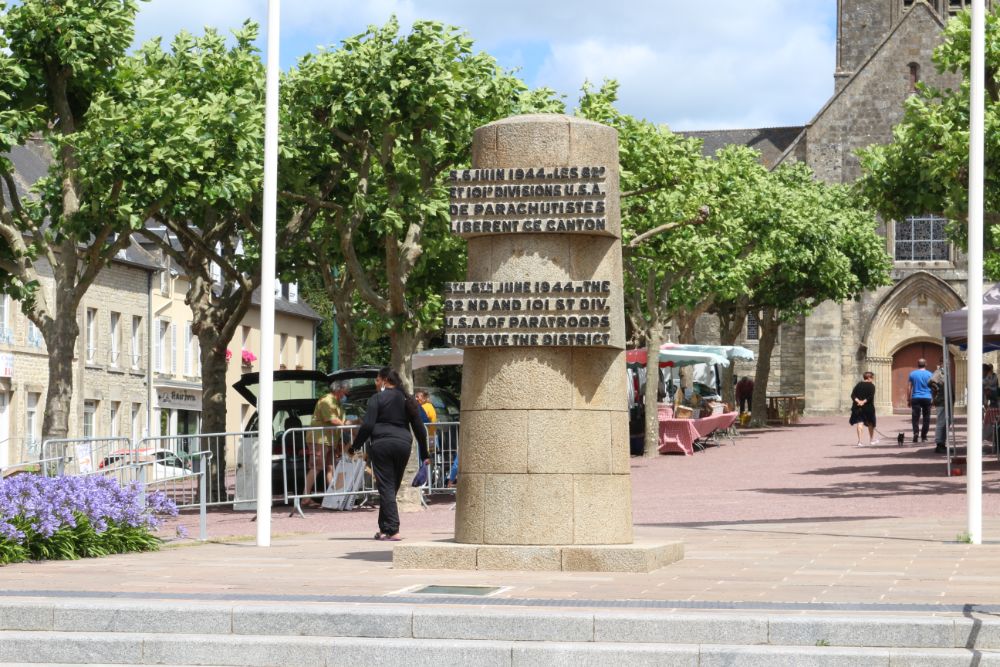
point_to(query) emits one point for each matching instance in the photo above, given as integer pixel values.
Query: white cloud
(694, 65)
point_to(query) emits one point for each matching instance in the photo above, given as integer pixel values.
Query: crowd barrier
(181, 476)
(308, 464)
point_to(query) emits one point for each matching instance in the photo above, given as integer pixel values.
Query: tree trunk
(60, 336)
(404, 344)
(213, 406)
(731, 320)
(654, 338)
(768, 337)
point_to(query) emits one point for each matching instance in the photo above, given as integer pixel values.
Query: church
(884, 48)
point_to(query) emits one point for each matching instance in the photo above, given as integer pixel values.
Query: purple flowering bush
(77, 517)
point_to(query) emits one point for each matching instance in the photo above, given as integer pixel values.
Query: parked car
(160, 464)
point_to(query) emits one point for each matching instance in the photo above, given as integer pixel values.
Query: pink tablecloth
(680, 435)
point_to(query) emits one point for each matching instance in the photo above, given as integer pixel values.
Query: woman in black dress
(389, 420)
(863, 407)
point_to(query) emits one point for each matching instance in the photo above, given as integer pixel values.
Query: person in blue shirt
(920, 400)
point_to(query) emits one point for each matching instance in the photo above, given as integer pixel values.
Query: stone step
(406, 621)
(55, 648)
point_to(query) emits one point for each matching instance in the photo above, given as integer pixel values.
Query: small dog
(900, 439)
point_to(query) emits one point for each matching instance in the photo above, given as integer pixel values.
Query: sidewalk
(795, 517)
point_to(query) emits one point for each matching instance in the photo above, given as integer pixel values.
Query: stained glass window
(922, 238)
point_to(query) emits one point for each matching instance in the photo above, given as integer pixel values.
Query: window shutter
(188, 349)
(173, 349)
(157, 344)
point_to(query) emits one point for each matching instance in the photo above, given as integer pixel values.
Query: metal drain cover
(456, 590)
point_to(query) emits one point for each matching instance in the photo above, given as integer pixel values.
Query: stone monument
(544, 478)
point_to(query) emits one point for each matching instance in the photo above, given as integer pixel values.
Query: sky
(692, 64)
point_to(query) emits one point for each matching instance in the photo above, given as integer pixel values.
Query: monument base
(449, 555)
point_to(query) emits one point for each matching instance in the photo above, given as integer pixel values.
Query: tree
(373, 126)
(57, 56)
(685, 237)
(925, 168)
(823, 245)
(185, 126)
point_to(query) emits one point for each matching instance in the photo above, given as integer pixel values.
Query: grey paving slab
(137, 617)
(979, 632)
(25, 615)
(602, 655)
(502, 625)
(417, 653)
(899, 657)
(233, 650)
(55, 647)
(855, 631)
(801, 656)
(679, 628)
(344, 621)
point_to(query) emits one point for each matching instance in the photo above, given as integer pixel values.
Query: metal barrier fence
(185, 481)
(316, 468)
(442, 441)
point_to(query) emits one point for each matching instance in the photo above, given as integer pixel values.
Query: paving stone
(602, 655)
(25, 616)
(955, 657)
(234, 650)
(498, 625)
(679, 628)
(347, 621)
(861, 631)
(802, 656)
(57, 647)
(142, 617)
(977, 633)
(417, 653)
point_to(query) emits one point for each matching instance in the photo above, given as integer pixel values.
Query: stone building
(884, 48)
(136, 367)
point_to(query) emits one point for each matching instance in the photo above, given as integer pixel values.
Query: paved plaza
(789, 517)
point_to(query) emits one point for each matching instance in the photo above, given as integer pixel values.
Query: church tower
(862, 25)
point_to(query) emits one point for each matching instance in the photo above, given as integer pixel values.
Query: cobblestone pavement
(795, 514)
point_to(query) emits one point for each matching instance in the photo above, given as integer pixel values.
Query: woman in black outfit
(863, 407)
(389, 419)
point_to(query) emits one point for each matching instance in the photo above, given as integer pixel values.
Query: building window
(34, 335)
(115, 338)
(113, 416)
(31, 420)
(136, 420)
(914, 76)
(165, 278)
(89, 410)
(921, 238)
(298, 352)
(91, 335)
(136, 341)
(6, 333)
(283, 351)
(162, 343)
(753, 327)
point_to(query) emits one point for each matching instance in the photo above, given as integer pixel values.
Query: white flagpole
(267, 251)
(975, 288)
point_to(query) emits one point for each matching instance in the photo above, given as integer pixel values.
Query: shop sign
(178, 399)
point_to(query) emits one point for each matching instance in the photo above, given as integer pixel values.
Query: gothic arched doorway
(904, 361)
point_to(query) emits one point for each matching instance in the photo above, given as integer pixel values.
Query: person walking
(392, 415)
(937, 384)
(744, 394)
(920, 400)
(863, 408)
